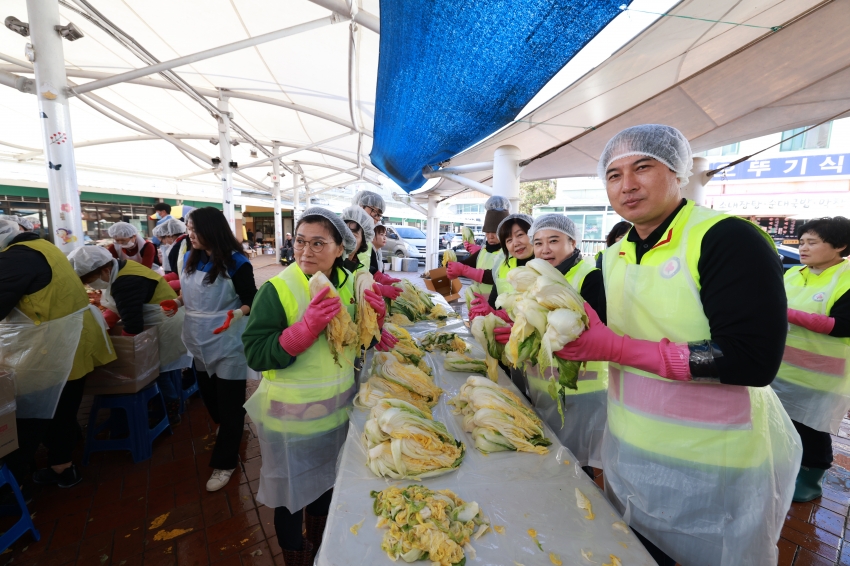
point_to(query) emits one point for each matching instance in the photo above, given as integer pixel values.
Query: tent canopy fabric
(451, 72)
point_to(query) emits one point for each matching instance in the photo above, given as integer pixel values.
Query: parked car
(404, 241)
(446, 238)
(457, 241)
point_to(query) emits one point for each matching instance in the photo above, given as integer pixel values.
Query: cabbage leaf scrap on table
(444, 342)
(463, 363)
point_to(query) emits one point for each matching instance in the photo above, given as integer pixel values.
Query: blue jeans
(170, 384)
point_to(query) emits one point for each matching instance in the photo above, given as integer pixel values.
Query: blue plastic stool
(140, 436)
(24, 524)
(189, 391)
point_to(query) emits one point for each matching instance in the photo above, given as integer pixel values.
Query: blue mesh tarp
(451, 72)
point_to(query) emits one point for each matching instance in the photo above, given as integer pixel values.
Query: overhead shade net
(451, 72)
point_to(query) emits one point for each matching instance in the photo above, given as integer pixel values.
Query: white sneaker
(219, 479)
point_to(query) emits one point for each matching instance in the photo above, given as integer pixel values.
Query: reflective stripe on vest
(705, 423)
(813, 360)
(163, 290)
(485, 261)
(314, 392)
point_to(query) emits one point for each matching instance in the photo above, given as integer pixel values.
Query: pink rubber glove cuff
(471, 248)
(819, 323)
(473, 273)
(388, 291)
(502, 334)
(296, 338)
(385, 279)
(665, 358)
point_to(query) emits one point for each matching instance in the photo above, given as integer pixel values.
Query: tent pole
(66, 223)
(433, 227)
(278, 221)
(226, 159)
(506, 170)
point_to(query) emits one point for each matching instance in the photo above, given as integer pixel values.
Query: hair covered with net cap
(22, 222)
(497, 203)
(511, 217)
(369, 198)
(362, 218)
(557, 222)
(348, 240)
(8, 231)
(663, 143)
(86, 259)
(123, 230)
(171, 227)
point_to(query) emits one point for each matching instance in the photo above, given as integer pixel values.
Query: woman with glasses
(300, 407)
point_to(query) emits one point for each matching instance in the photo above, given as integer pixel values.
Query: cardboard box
(137, 365)
(8, 427)
(439, 282)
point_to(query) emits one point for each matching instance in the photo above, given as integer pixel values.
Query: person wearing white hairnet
(132, 293)
(363, 256)
(173, 246)
(51, 338)
(128, 244)
(699, 455)
(374, 204)
(23, 224)
(555, 239)
(478, 266)
(301, 406)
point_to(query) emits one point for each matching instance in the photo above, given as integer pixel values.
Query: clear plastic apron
(206, 309)
(41, 355)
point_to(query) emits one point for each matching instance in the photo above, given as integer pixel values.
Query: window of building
(731, 149)
(468, 208)
(816, 138)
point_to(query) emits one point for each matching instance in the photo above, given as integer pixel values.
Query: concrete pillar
(695, 189)
(226, 158)
(66, 224)
(278, 221)
(506, 174)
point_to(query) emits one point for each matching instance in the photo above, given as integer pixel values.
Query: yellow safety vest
(63, 296)
(365, 259)
(500, 273)
(163, 290)
(485, 261)
(313, 394)
(813, 381)
(704, 423)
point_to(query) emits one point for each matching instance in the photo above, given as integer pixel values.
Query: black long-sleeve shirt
(23, 271)
(131, 293)
(743, 297)
(472, 261)
(592, 288)
(494, 293)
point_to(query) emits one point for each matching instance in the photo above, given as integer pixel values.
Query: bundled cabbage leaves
(482, 328)
(428, 525)
(377, 388)
(497, 419)
(406, 376)
(463, 363)
(414, 304)
(404, 442)
(449, 255)
(467, 235)
(444, 342)
(367, 318)
(398, 319)
(406, 349)
(341, 331)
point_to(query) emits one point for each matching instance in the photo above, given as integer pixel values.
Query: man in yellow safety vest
(699, 455)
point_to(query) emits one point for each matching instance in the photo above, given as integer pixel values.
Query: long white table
(517, 490)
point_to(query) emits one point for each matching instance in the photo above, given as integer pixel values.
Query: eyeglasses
(374, 212)
(316, 245)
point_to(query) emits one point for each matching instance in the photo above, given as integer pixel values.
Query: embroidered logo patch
(818, 297)
(670, 268)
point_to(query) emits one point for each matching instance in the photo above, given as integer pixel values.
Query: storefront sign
(799, 204)
(797, 166)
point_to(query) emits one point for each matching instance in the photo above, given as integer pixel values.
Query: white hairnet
(86, 259)
(8, 231)
(497, 203)
(524, 217)
(369, 198)
(557, 222)
(348, 240)
(664, 143)
(357, 214)
(123, 230)
(22, 222)
(171, 227)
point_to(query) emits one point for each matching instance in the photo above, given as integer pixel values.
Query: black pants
(224, 399)
(817, 447)
(59, 434)
(660, 558)
(288, 526)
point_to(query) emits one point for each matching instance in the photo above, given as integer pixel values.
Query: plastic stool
(140, 436)
(189, 391)
(24, 524)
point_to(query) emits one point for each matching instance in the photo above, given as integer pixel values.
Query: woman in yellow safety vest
(813, 381)
(373, 204)
(300, 407)
(479, 265)
(699, 455)
(516, 251)
(555, 239)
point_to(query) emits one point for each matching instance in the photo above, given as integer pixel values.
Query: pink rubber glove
(600, 343)
(502, 334)
(169, 307)
(388, 341)
(384, 279)
(111, 318)
(819, 323)
(456, 269)
(471, 248)
(388, 291)
(479, 306)
(171, 276)
(301, 335)
(175, 285)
